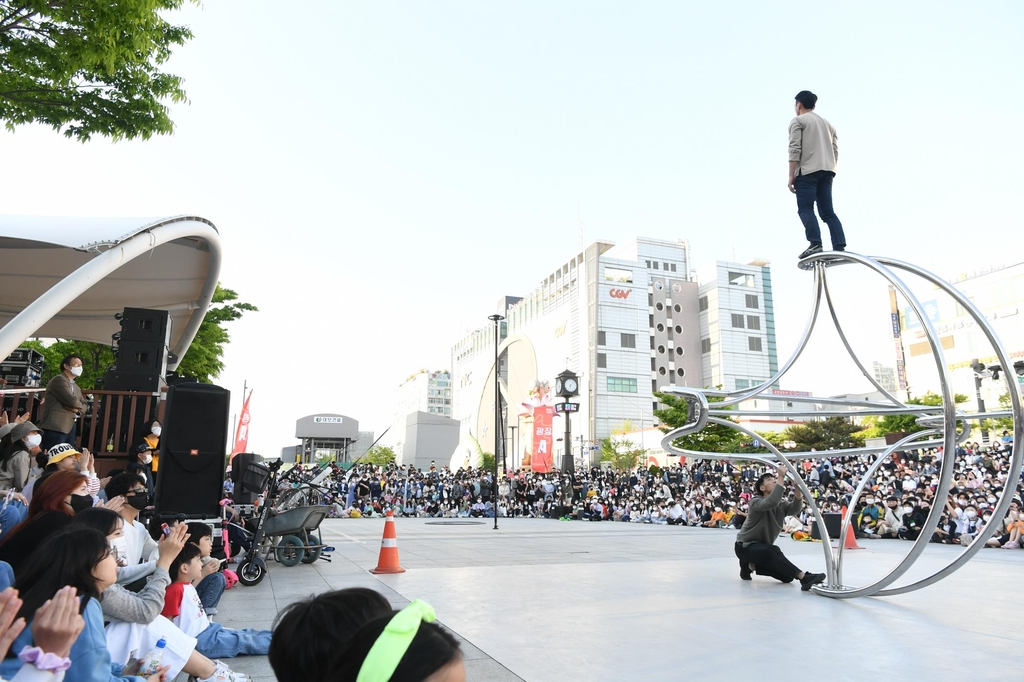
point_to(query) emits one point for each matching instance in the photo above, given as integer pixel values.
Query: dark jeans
(51, 438)
(817, 187)
(768, 560)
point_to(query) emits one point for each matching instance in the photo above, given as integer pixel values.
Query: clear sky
(381, 173)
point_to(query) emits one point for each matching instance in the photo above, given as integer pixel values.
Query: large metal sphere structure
(944, 424)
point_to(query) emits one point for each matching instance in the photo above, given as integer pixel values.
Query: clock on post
(567, 384)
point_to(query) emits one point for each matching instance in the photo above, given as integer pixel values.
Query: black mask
(80, 502)
(140, 501)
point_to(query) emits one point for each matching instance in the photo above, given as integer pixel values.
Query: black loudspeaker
(192, 450)
(146, 382)
(833, 524)
(239, 465)
(143, 324)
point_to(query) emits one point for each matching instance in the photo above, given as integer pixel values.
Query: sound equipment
(141, 349)
(145, 382)
(192, 450)
(243, 494)
(143, 324)
(833, 524)
(23, 367)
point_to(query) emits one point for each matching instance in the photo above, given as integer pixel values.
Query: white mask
(971, 513)
(119, 546)
(146, 459)
(77, 371)
(156, 431)
(33, 440)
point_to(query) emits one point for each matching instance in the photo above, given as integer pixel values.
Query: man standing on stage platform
(755, 544)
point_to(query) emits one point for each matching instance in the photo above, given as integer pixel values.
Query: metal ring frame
(941, 424)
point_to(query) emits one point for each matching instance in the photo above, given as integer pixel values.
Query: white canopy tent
(67, 277)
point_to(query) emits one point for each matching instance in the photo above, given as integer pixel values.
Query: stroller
(293, 536)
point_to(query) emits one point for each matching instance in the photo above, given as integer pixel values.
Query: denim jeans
(217, 641)
(211, 589)
(51, 438)
(817, 188)
(12, 516)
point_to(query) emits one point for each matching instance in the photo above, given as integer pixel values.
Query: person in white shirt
(141, 550)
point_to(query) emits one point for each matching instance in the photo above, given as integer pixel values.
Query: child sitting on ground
(212, 583)
(330, 637)
(183, 606)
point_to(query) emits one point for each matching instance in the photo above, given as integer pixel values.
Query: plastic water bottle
(153, 660)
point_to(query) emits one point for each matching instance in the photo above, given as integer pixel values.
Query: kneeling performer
(755, 544)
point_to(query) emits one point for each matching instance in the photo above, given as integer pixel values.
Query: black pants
(768, 560)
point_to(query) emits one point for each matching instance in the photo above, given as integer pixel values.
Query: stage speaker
(192, 450)
(146, 382)
(239, 466)
(143, 324)
(833, 524)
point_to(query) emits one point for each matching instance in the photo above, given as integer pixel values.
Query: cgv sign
(620, 293)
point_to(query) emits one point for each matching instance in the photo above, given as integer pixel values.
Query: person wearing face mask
(16, 450)
(143, 466)
(149, 440)
(890, 524)
(53, 507)
(141, 549)
(62, 405)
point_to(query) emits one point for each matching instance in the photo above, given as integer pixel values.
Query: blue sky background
(381, 173)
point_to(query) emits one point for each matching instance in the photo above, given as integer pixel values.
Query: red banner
(543, 416)
(242, 432)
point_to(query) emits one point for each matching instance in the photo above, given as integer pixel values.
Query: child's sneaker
(223, 674)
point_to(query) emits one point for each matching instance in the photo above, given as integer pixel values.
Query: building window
(648, 264)
(655, 265)
(753, 322)
(752, 301)
(754, 343)
(600, 339)
(627, 340)
(621, 385)
(680, 371)
(702, 304)
(602, 360)
(737, 321)
(705, 346)
(653, 366)
(618, 275)
(654, 385)
(741, 279)
(673, 265)
(742, 383)
(665, 266)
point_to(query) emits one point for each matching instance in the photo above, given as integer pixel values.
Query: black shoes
(811, 579)
(744, 571)
(810, 251)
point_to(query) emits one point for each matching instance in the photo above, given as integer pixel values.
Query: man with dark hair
(813, 154)
(62, 405)
(755, 544)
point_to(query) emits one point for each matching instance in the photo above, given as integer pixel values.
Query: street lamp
(498, 435)
(979, 372)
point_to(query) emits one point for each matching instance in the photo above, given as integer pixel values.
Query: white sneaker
(225, 674)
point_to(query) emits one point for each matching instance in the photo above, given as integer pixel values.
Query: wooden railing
(109, 427)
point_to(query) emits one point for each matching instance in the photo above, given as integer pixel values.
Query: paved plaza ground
(543, 600)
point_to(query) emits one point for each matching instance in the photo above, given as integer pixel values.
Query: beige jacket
(812, 142)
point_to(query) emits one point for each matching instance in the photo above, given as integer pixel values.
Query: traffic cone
(387, 562)
(851, 540)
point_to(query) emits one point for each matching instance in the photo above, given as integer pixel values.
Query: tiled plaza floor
(542, 600)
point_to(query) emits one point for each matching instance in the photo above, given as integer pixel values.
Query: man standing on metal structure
(755, 544)
(813, 153)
